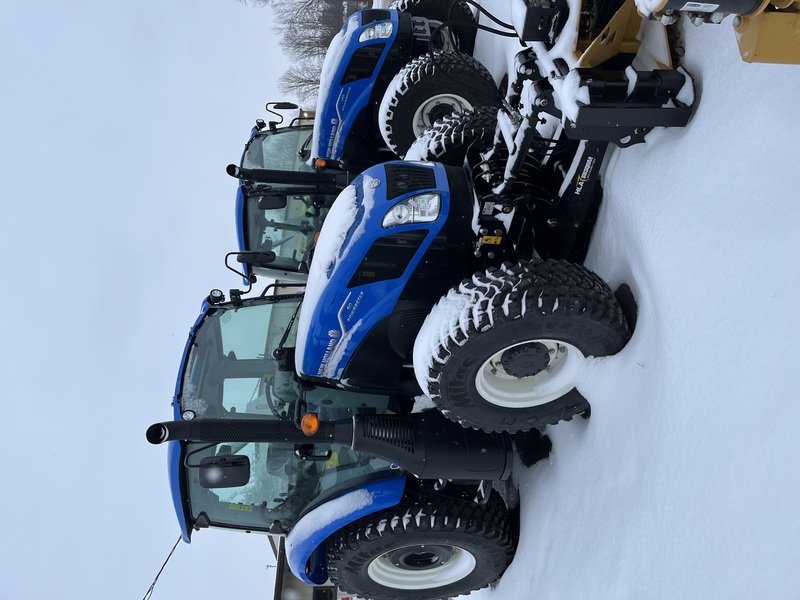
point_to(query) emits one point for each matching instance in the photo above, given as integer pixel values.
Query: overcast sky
(116, 122)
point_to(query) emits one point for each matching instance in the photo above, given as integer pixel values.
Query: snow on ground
(685, 482)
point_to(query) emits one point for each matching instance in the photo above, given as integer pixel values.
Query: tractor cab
(281, 201)
(229, 370)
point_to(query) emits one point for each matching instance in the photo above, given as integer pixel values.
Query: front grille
(388, 257)
(370, 15)
(363, 63)
(403, 179)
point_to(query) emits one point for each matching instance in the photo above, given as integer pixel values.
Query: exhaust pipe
(248, 430)
(427, 444)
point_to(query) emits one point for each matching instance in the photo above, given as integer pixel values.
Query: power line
(149, 591)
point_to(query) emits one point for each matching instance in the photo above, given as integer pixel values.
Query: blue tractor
(293, 413)
(365, 112)
(385, 503)
(466, 283)
(289, 176)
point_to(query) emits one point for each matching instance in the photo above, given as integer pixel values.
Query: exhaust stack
(426, 444)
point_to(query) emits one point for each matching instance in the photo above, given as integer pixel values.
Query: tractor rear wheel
(427, 547)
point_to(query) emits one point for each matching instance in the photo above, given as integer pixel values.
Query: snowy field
(685, 482)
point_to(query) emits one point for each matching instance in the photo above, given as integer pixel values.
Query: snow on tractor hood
(332, 60)
(342, 97)
(343, 226)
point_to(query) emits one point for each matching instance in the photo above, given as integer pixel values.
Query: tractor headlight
(377, 31)
(422, 208)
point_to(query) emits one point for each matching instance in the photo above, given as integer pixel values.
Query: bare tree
(306, 29)
(302, 82)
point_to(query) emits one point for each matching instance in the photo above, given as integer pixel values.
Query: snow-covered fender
(362, 265)
(356, 59)
(304, 543)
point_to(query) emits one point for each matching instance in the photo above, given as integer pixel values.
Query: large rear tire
(429, 88)
(461, 22)
(429, 546)
(503, 351)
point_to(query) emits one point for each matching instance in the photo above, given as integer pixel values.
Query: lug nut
(669, 18)
(697, 19)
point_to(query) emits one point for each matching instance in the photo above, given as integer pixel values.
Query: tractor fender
(305, 551)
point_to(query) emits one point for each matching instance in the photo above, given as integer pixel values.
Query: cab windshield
(288, 231)
(279, 150)
(230, 373)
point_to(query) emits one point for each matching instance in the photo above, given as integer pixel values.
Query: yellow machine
(768, 31)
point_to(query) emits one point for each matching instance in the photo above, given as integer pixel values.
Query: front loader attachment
(771, 35)
(767, 31)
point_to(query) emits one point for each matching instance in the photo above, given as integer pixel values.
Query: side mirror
(255, 259)
(225, 471)
(272, 202)
(281, 105)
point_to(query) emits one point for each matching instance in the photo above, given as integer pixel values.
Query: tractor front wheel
(504, 351)
(428, 88)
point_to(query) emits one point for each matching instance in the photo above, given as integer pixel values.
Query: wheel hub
(418, 558)
(525, 360)
(440, 111)
(436, 107)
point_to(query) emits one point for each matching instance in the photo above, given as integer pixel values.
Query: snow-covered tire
(457, 15)
(428, 88)
(447, 140)
(503, 351)
(429, 546)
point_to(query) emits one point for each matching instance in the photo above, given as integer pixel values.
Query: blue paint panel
(176, 409)
(174, 448)
(385, 494)
(174, 469)
(343, 317)
(343, 103)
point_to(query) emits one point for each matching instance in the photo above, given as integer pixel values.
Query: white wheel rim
(500, 388)
(398, 576)
(422, 116)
